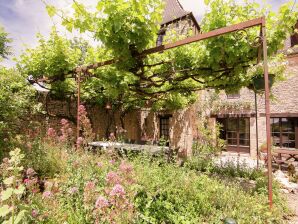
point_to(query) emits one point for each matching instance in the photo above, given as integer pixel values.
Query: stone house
(237, 114)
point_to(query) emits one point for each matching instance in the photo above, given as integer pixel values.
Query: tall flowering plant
(112, 203)
(85, 127)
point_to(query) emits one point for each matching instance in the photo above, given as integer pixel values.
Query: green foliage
(162, 81)
(173, 195)
(4, 41)
(16, 101)
(12, 210)
(154, 192)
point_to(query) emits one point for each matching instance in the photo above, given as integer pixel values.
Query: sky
(22, 19)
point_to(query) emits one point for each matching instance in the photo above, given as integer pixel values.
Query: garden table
(291, 153)
(151, 149)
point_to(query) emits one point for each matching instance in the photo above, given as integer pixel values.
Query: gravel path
(293, 204)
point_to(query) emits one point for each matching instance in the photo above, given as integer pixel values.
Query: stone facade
(283, 103)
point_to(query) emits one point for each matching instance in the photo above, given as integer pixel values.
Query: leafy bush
(169, 194)
(12, 209)
(238, 169)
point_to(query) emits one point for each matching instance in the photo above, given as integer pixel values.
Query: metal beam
(203, 36)
(267, 109)
(199, 37)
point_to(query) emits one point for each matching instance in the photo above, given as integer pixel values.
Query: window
(236, 132)
(235, 95)
(160, 37)
(283, 132)
(165, 127)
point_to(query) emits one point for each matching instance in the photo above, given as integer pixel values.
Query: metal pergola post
(78, 106)
(267, 109)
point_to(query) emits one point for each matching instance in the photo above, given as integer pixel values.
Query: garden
(49, 173)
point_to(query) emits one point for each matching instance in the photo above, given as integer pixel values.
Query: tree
(17, 100)
(4, 41)
(163, 81)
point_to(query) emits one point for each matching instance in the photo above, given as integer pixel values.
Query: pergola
(262, 52)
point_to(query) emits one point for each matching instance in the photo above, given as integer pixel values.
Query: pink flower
(118, 190)
(51, 133)
(82, 110)
(125, 167)
(62, 138)
(112, 177)
(99, 164)
(90, 185)
(69, 130)
(64, 122)
(112, 161)
(26, 181)
(34, 213)
(47, 194)
(34, 191)
(80, 141)
(101, 202)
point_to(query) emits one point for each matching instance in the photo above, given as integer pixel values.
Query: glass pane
(244, 125)
(291, 144)
(244, 142)
(291, 136)
(244, 135)
(232, 124)
(232, 141)
(275, 125)
(287, 125)
(232, 134)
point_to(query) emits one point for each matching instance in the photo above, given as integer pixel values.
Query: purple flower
(47, 194)
(101, 202)
(73, 190)
(118, 190)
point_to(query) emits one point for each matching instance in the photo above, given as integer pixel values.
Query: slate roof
(173, 10)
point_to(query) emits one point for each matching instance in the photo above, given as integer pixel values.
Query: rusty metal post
(257, 130)
(256, 103)
(78, 106)
(267, 108)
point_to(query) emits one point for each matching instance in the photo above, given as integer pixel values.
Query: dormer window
(160, 37)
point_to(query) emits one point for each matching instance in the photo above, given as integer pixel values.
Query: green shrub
(169, 194)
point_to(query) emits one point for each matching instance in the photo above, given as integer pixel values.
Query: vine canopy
(168, 80)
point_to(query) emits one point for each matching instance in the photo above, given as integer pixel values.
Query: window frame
(278, 134)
